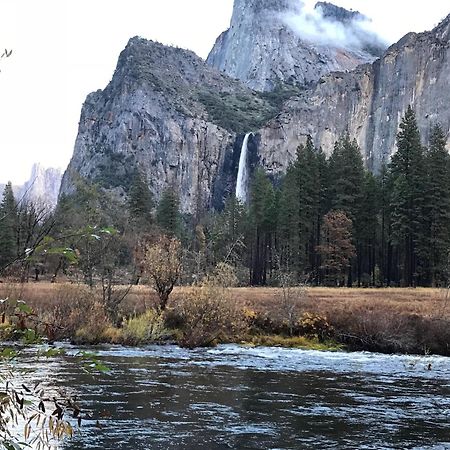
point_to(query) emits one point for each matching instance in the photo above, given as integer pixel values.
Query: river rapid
(233, 397)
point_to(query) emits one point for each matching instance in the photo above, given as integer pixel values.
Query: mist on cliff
(313, 25)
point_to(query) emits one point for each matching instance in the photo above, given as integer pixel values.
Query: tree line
(331, 222)
(328, 221)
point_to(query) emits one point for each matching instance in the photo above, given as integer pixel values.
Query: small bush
(79, 314)
(209, 312)
(144, 329)
(314, 326)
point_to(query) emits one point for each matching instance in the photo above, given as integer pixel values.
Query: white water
(161, 397)
(242, 178)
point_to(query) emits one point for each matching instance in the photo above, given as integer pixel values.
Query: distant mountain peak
(42, 186)
(337, 13)
(272, 41)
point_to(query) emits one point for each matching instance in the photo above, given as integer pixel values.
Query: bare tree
(163, 265)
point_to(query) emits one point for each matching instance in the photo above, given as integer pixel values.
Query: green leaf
(52, 352)
(8, 353)
(23, 307)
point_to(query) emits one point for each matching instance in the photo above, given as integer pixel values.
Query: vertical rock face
(42, 187)
(170, 116)
(276, 40)
(368, 102)
(181, 122)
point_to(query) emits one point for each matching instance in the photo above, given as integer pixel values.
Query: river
(232, 397)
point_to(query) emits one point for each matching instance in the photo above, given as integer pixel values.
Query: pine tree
(228, 232)
(8, 227)
(299, 206)
(407, 201)
(262, 218)
(324, 206)
(369, 223)
(437, 208)
(346, 172)
(140, 203)
(337, 248)
(168, 213)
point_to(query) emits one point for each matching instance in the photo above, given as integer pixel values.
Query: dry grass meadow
(387, 319)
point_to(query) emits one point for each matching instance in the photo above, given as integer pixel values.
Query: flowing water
(242, 178)
(233, 397)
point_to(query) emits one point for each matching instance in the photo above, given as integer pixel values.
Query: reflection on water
(237, 398)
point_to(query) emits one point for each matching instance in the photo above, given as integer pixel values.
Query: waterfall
(242, 178)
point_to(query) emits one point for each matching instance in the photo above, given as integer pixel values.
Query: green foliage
(8, 227)
(298, 210)
(437, 208)
(140, 203)
(262, 221)
(144, 329)
(346, 172)
(238, 112)
(278, 96)
(168, 215)
(408, 199)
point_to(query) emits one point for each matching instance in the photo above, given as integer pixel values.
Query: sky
(65, 49)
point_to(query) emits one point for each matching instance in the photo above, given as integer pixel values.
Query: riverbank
(415, 321)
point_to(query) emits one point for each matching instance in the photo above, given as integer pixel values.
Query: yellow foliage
(149, 327)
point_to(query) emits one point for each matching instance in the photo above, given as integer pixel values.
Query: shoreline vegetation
(385, 320)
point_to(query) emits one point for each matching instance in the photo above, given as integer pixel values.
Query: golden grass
(421, 301)
(386, 319)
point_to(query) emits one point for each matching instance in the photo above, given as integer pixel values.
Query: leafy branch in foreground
(45, 415)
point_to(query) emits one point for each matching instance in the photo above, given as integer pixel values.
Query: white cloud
(311, 25)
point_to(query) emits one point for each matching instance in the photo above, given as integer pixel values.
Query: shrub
(79, 312)
(292, 297)
(144, 329)
(209, 311)
(314, 326)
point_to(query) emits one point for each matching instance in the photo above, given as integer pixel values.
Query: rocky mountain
(42, 186)
(368, 102)
(278, 40)
(169, 115)
(181, 122)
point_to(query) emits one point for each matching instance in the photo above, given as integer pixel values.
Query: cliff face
(42, 187)
(276, 40)
(181, 122)
(368, 102)
(170, 116)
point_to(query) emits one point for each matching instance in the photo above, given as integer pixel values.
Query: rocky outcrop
(368, 102)
(276, 40)
(169, 115)
(181, 122)
(42, 187)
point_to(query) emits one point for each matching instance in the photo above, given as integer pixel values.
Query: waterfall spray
(242, 178)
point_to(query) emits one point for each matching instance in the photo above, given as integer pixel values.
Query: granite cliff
(181, 122)
(368, 102)
(42, 187)
(169, 115)
(273, 41)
